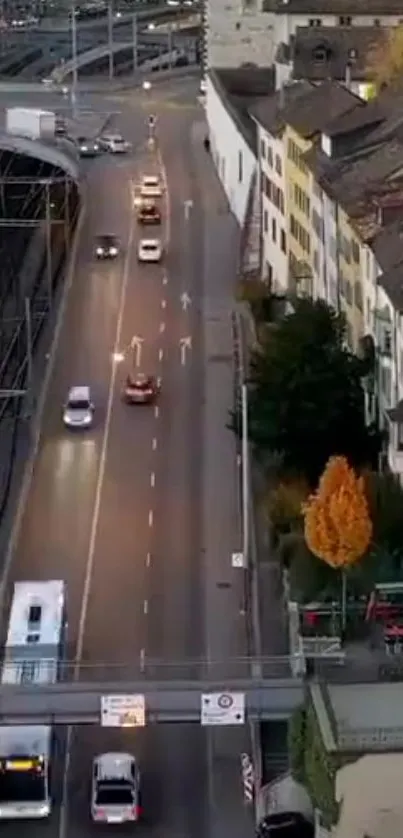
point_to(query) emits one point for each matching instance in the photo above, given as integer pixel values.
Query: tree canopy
(338, 527)
(385, 60)
(305, 397)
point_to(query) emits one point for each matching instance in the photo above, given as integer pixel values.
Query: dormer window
(320, 55)
(35, 614)
(345, 21)
(315, 21)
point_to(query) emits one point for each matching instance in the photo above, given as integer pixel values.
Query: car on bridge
(116, 793)
(87, 148)
(149, 250)
(150, 187)
(79, 410)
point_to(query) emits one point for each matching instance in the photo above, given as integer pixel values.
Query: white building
(324, 246)
(273, 192)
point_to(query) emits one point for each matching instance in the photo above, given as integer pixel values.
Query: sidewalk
(224, 585)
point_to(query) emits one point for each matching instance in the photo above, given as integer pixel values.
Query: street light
(146, 86)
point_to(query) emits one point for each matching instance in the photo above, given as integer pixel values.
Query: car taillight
(137, 811)
(100, 814)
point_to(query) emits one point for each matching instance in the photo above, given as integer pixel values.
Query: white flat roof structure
(34, 633)
(370, 793)
(31, 741)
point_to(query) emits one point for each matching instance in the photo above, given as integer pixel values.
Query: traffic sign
(123, 711)
(237, 560)
(223, 708)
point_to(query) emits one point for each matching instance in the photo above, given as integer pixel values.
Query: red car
(140, 389)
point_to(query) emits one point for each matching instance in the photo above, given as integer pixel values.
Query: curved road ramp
(91, 56)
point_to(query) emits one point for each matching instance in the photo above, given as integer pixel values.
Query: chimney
(347, 79)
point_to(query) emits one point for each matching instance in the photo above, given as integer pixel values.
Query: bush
(311, 764)
(283, 507)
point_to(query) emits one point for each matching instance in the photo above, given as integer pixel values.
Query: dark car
(106, 247)
(149, 213)
(87, 148)
(140, 388)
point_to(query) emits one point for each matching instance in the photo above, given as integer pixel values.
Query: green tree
(385, 501)
(305, 394)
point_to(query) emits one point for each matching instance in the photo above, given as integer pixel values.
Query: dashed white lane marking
(162, 328)
(163, 303)
(154, 444)
(160, 354)
(142, 659)
(145, 606)
(152, 479)
(165, 280)
(148, 559)
(150, 518)
(156, 411)
(159, 382)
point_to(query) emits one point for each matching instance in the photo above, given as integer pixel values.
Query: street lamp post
(110, 41)
(74, 52)
(245, 476)
(135, 44)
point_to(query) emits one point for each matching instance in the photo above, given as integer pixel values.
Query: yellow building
(351, 279)
(304, 119)
(298, 210)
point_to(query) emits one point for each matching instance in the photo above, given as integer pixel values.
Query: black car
(87, 148)
(106, 247)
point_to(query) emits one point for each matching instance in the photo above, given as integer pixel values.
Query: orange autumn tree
(337, 523)
(385, 58)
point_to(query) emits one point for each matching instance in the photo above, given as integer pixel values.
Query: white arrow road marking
(136, 345)
(185, 344)
(185, 301)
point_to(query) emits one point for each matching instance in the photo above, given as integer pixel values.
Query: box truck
(30, 122)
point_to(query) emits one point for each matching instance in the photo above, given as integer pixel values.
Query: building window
(283, 241)
(237, 26)
(268, 274)
(358, 295)
(270, 156)
(348, 292)
(278, 165)
(316, 261)
(265, 221)
(315, 21)
(262, 149)
(345, 21)
(377, 22)
(355, 250)
(240, 167)
(274, 229)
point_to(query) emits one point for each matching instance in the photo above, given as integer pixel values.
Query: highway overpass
(173, 701)
(59, 74)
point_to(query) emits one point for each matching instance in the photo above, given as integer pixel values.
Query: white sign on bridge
(123, 711)
(223, 709)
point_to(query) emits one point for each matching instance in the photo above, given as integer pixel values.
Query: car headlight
(96, 147)
(84, 148)
(45, 810)
(99, 251)
(87, 419)
(113, 251)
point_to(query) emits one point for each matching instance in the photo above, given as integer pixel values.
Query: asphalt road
(119, 513)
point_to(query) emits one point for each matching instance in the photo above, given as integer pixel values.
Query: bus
(33, 655)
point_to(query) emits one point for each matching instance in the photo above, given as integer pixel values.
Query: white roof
(151, 180)
(79, 394)
(25, 741)
(150, 243)
(114, 765)
(34, 632)
(370, 793)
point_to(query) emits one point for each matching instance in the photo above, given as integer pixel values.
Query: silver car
(115, 794)
(78, 411)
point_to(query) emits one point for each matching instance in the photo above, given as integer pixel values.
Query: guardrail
(97, 84)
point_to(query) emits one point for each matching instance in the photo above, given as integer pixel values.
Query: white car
(150, 187)
(79, 410)
(115, 794)
(149, 250)
(114, 143)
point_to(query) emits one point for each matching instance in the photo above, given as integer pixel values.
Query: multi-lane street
(139, 515)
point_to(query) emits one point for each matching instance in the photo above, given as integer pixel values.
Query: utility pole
(135, 44)
(49, 269)
(110, 40)
(245, 476)
(170, 41)
(74, 53)
(30, 365)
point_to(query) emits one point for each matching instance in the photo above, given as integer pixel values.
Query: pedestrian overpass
(81, 702)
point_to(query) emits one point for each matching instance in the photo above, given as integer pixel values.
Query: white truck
(32, 123)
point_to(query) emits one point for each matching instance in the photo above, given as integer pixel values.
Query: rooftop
(392, 283)
(323, 103)
(387, 245)
(269, 112)
(339, 7)
(240, 90)
(370, 793)
(330, 52)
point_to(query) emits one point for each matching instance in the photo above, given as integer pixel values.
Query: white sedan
(149, 250)
(150, 187)
(114, 143)
(78, 411)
